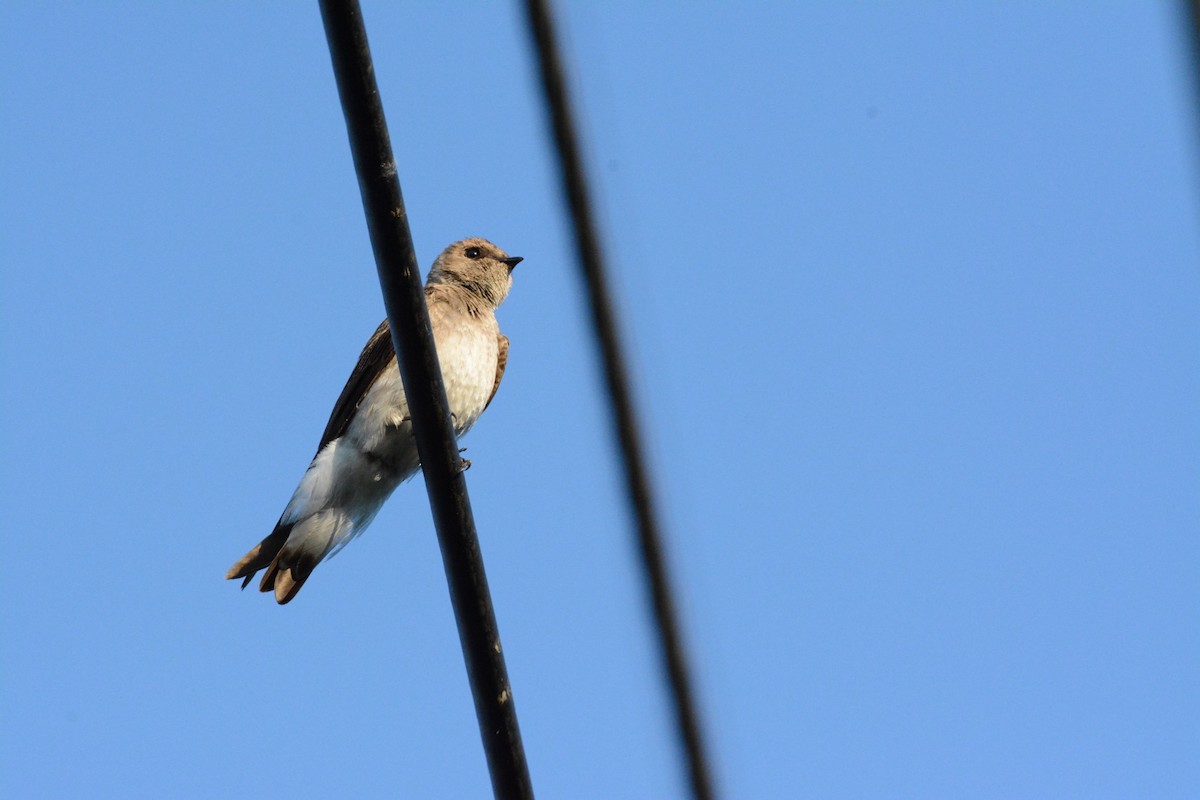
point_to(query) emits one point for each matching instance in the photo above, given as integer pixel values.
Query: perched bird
(368, 448)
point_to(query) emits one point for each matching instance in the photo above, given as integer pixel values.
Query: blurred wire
(412, 337)
(1191, 20)
(637, 479)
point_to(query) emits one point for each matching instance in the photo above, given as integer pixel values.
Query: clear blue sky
(914, 298)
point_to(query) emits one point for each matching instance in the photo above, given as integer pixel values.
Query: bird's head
(478, 266)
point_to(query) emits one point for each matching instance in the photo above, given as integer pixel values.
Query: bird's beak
(511, 262)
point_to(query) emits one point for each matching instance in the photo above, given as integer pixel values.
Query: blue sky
(914, 298)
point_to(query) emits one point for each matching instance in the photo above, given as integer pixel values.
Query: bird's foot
(463, 465)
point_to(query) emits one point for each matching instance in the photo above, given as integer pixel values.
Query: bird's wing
(501, 363)
(374, 359)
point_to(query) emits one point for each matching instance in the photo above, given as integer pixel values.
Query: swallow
(368, 449)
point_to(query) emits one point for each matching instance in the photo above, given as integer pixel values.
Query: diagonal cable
(1191, 20)
(412, 337)
(616, 375)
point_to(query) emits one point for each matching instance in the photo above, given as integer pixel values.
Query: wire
(637, 479)
(1191, 20)
(412, 336)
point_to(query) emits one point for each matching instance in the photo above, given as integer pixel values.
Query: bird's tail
(261, 555)
(287, 572)
(292, 551)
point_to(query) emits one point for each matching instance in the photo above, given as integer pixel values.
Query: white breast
(468, 351)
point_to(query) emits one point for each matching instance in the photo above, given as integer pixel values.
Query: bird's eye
(473, 252)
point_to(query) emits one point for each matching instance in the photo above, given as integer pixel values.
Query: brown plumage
(367, 448)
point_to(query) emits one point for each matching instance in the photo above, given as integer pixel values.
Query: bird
(368, 449)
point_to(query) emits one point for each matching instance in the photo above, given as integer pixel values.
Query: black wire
(1191, 20)
(637, 479)
(412, 337)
